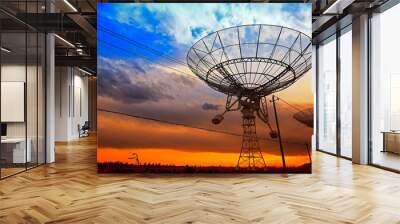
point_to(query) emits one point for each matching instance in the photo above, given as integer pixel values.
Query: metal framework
(250, 155)
(251, 59)
(248, 63)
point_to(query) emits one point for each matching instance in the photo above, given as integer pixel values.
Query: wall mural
(204, 88)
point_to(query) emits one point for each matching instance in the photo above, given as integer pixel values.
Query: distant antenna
(305, 117)
(135, 158)
(248, 63)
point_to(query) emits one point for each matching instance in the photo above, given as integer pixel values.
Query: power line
(159, 53)
(146, 47)
(146, 58)
(190, 76)
(140, 45)
(186, 125)
(169, 122)
(292, 106)
(154, 51)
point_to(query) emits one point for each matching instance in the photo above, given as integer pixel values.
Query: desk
(391, 141)
(19, 155)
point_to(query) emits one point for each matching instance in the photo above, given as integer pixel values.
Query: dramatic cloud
(116, 82)
(119, 87)
(184, 80)
(186, 23)
(209, 106)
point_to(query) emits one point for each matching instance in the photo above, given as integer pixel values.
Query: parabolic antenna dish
(305, 117)
(251, 60)
(248, 63)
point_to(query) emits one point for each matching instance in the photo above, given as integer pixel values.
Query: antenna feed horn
(217, 119)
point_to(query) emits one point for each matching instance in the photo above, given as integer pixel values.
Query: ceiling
(330, 15)
(74, 22)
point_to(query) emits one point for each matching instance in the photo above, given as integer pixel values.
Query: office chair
(84, 130)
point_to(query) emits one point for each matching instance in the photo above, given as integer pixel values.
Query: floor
(70, 191)
(5, 172)
(387, 159)
(10, 171)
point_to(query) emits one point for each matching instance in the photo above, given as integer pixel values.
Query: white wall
(12, 73)
(71, 102)
(80, 110)
(33, 126)
(61, 103)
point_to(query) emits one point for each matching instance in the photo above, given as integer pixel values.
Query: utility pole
(274, 98)
(308, 151)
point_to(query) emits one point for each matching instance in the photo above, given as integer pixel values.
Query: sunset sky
(139, 81)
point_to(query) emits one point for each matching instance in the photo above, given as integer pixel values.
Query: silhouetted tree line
(119, 167)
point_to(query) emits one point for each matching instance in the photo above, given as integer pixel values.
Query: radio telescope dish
(305, 117)
(251, 60)
(248, 63)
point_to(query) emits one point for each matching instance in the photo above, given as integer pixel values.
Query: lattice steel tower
(248, 63)
(250, 154)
